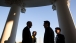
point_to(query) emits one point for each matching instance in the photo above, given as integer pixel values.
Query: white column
(65, 21)
(10, 29)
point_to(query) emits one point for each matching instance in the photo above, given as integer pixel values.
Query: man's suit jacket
(26, 35)
(60, 38)
(49, 35)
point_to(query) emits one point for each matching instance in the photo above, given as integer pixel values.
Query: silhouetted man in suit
(26, 34)
(49, 33)
(59, 37)
(34, 36)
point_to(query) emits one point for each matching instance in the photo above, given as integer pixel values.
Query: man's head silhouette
(46, 24)
(57, 30)
(29, 24)
(34, 33)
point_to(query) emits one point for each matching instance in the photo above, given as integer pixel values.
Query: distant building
(18, 42)
(75, 26)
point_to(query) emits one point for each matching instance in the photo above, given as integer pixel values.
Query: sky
(37, 15)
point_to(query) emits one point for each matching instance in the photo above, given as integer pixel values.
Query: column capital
(54, 5)
(23, 10)
(17, 2)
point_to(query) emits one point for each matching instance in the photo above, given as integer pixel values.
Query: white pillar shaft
(10, 29)
(65, 21)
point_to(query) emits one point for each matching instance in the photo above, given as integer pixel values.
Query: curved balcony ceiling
(29, 3)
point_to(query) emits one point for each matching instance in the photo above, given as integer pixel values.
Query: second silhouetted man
(49, 33)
